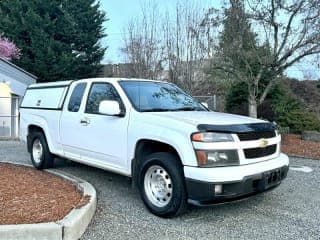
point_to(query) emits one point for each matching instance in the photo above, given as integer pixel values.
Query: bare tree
(292, 31)
(188, 44)
(142, 45)
(178, 42)
(285, 33)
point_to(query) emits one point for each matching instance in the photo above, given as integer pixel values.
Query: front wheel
(161, 185)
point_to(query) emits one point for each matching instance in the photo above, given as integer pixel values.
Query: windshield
(159, 96)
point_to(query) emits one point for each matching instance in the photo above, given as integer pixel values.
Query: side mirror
(111, 108)
(205, 104)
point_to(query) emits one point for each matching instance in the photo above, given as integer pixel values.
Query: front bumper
(237, 182)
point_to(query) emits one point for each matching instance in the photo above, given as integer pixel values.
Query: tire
(161, 185)
(40, 155)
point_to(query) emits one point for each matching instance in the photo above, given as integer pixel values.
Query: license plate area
(271, 178)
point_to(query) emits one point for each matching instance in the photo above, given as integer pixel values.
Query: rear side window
(76, 97)
(98, 93)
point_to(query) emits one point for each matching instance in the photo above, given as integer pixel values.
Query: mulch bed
(28, 195)
(293, 145)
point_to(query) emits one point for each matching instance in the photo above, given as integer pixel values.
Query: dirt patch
(293, 145)
(28, 195)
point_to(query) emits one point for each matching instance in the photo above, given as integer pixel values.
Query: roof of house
(18, 68)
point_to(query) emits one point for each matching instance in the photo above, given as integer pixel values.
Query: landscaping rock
(293, 145)
(313, 136)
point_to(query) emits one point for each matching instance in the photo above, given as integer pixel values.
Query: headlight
(211, 137)
(217, 158)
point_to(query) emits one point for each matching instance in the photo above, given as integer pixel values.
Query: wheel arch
(34, 128)
(145, 147)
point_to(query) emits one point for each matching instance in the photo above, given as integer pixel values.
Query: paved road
(292, 211)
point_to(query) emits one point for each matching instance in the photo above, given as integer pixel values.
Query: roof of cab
(67, 83)
(117, 80)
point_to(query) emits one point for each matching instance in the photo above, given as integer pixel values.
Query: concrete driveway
(292, 211)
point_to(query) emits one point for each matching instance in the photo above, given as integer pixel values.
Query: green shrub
(289, 113)
(237, 99)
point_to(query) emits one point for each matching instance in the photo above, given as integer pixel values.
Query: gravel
(290, 211)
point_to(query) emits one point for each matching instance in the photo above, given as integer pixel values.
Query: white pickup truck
(175, 149)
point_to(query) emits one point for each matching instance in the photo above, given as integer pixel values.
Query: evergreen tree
(237, 38)
(59, 39)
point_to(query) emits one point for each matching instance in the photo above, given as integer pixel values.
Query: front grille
(248, 136)
(260, 152)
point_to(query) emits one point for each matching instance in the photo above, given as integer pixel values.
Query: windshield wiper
(171, 110)
(185, 109)
(156, 110)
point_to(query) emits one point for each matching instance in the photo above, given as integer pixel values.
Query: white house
(13, 84)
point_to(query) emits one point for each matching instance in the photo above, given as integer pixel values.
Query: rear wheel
(161, 185)
(40, 155)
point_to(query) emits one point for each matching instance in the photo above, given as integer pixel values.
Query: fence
(9, 117)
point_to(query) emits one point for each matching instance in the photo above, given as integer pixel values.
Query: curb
(71, 227)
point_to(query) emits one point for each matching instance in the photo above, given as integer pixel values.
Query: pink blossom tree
(8, 50)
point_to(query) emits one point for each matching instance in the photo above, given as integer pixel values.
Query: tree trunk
(253, 107)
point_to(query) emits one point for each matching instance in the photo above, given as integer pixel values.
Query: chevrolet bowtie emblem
(263, 143)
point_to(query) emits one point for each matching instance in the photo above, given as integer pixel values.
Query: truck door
(104, 137)
(70, 129)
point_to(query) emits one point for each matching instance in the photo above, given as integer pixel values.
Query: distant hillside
(308, 92)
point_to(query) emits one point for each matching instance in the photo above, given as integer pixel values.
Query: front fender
(180, 141)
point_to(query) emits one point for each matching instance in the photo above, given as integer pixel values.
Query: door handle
(85, 121)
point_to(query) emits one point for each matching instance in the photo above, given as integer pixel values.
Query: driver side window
(100, 92)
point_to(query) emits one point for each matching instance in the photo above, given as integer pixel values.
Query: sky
(120, 12)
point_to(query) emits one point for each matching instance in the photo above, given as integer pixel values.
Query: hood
(199, 117)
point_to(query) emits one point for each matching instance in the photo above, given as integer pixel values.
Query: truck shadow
(117, 195)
